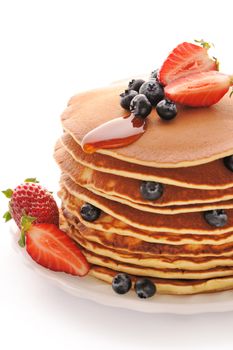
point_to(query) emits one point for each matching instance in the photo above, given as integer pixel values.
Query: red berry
(53, 249)
(186, 59)
(199, 90)
(33, 200)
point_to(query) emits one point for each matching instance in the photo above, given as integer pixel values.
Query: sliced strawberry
(199, 90)
(53, 249)
(186, 59)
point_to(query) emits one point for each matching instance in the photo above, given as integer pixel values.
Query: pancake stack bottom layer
(167, 240)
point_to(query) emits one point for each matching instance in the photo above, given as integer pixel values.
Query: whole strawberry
(30, 202)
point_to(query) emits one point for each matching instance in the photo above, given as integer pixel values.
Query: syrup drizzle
(115, 133)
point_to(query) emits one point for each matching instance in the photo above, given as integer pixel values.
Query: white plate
(102, 293)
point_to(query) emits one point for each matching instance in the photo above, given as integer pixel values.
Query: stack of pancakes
(168, 239)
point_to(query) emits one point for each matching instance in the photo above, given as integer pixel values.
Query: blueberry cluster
(144, 288)
(141, 96)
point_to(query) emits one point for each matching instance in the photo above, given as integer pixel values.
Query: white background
(50, 50)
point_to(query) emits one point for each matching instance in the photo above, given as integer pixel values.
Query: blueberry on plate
(126, 98)
(217, 217)
(153, 91)
(144, 288)
(89, 212)
(140, 106)
(135, 84)
(166, 109)
(121, 283)
(151, 190)
(228, 162)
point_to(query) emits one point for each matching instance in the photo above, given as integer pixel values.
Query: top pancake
(196, 136)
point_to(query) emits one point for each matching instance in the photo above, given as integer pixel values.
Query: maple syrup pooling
(115, 133)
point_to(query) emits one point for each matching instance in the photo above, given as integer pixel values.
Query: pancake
(144, 266)
(175, 209)
(154, 266)
(157, 261)
(107, 223)
(198, 135)
(135, 246)
(128, 190)
(213, 175)
(107, 268)
(132, 269)
(171, 286)
(178, 223)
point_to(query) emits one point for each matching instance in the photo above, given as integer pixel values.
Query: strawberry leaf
(32, 179)
(231, 93)
(7, 216)
(204, 44)
(26, 222)
(21, 241)
(8, 193)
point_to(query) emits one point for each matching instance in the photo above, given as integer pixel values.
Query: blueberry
(140, 106)
(151, 190)
(89, 212)
(145, 288)
(135, 84)
(153, 91)
(166, 109)
(121, 283)
(126, 98)
(228, 162)
(154, 74)
(217, 217)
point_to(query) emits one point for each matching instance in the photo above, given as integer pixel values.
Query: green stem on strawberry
(26, 222)
(207, 45)
(32, 179)
(7, 216)
(8, 193)
(204, 43)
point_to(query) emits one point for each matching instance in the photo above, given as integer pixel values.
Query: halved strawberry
(53, 249)
(186, 58)
(199, 90)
